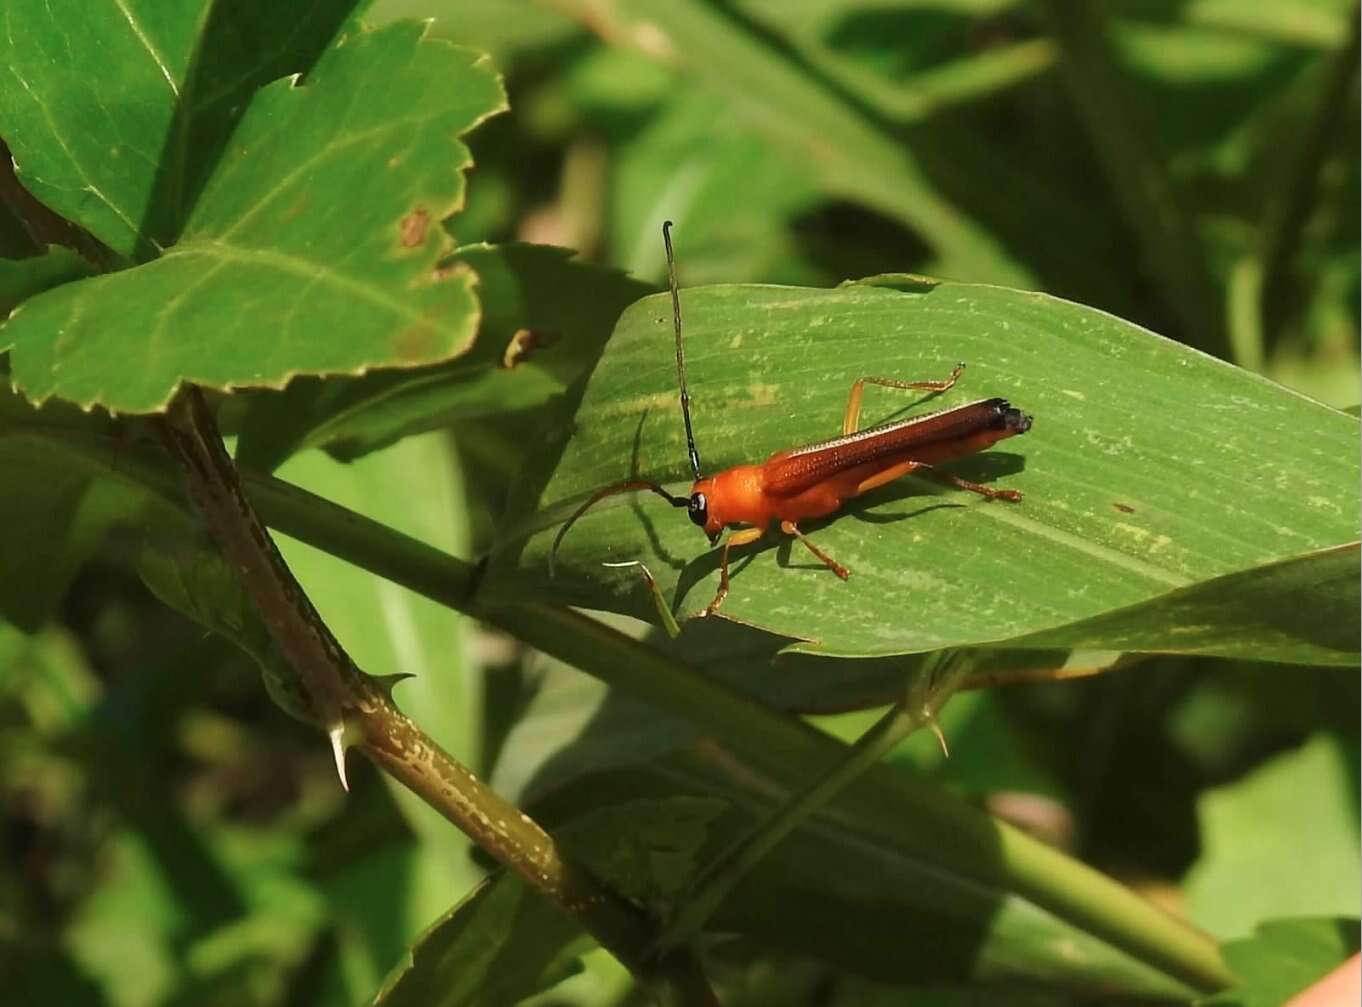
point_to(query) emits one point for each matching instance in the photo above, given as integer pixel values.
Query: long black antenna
(680, 353)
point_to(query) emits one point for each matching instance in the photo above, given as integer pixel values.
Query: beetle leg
(851, 419)
(903, 468)
(790, 528)
(744, 537)
(664, 611)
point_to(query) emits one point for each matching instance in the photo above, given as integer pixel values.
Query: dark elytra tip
(1008, 418)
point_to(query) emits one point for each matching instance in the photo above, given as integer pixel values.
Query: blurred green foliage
(172, 838)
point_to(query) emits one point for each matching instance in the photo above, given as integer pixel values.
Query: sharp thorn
(387, 682)
(935, 728)
(337, 735)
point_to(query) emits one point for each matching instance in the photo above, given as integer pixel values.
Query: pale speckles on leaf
(1142, 537)
(1074, 394)
(643, 403)
(649, 37)
(1107, 444)
(1189, 630)
(762, 395)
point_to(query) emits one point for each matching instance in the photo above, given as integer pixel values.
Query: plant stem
(344, 700)
(945, 831)
(918, 706)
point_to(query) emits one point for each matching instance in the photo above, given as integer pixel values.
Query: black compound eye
(698, 509)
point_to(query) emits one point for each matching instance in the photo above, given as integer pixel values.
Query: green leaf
(20, 279)
(46, 677)
(729, 190)
(579, 745)
(1240, 615)
(117, 112)
(134, 932)
(191, 576)
(793, 902)
(1283, 957)
(312, 249)
(559, 311)
(53, 514)
(908, 63)
(849, 151)
(1123, 135)
(1291, 825)
(502, 944)
(505, 942)
(1296, 22)
(1150, 468)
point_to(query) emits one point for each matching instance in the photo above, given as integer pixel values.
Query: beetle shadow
(641, 513)
(701, 567)
(984, 469)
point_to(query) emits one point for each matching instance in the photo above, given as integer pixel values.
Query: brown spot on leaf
(524, 344)
(1124, 508)
(295, 209)
(416, 342)
(448, 268)
(413, 227)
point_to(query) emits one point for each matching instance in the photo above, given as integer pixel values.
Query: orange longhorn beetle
(814, 481)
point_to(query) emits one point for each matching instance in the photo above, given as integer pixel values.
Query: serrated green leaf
(1150, 468)
(21, 279)
(313, 248)
(117, 112)
(561, 310)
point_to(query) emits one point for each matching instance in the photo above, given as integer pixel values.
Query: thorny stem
(945, 832)
(340, 694)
